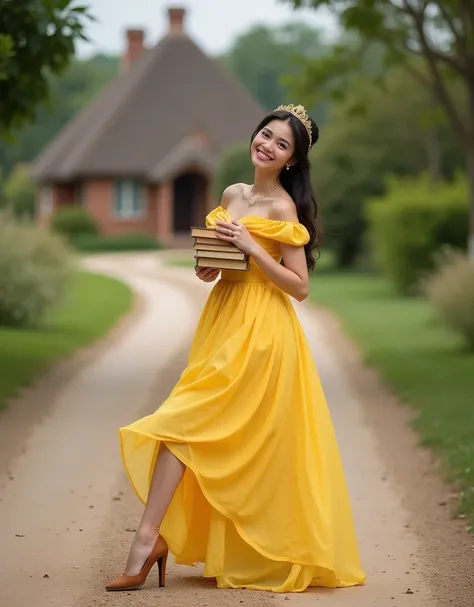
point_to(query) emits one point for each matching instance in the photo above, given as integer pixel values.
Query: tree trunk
(433, 143)
(470, 170)
(470, 181)
(433, 152)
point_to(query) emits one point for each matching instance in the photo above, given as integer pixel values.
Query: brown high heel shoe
(158, 555)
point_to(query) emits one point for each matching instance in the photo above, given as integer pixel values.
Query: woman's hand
(207, 274)
(237, 234)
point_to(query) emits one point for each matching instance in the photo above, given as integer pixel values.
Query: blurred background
(122, 122)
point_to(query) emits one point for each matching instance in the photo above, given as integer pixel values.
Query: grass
(424, 363)
(94, 304)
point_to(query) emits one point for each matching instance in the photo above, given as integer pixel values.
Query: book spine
(237, 255)
(222, 264)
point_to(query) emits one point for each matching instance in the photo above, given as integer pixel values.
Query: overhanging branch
(419, 21)
(466, 6)
(459, 35)
(438, 84)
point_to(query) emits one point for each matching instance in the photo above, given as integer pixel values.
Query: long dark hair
(297, 180)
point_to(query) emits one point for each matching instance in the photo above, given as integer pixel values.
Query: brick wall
(97, 197)
(164, 210)
(99, 200)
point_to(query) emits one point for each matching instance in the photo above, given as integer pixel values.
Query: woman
(239, 468)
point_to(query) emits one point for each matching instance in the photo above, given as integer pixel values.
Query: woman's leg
(166, 477)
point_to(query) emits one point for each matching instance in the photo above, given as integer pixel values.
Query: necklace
(252, 202)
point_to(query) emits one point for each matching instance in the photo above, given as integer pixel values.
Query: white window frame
(129, 201)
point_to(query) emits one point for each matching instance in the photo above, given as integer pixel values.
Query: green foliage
(36, 38)
(330, 76)
(19, 192)
(429, 33)
(91, 243)
(6, 53)
(450, 289)
(74, 221)
(431, 40)
(356, 154)
(264, 58)
(412, 223)
(69, 93)
(34, 269)
(235, 167)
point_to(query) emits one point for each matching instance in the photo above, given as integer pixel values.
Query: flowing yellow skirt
(263, 502)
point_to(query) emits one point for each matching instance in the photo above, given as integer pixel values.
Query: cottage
(141, 156)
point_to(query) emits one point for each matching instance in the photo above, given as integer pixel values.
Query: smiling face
(273, 146)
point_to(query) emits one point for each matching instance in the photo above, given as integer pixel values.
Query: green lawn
(94, 304)
(424, 363)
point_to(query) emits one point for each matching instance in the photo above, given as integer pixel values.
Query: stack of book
(213, 252)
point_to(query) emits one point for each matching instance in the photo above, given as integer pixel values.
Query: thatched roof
(146, 123)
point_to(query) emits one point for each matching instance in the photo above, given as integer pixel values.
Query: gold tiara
(299, 112)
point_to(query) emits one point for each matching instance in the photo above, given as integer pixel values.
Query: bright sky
(213, 24)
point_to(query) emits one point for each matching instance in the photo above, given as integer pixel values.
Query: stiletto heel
(162, 569)
(158, 555)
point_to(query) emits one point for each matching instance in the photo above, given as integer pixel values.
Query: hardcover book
(220, 248)
(238, 255)
(204, 232)
(213, 252)
(222, 264)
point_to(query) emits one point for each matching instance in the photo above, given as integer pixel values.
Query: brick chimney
(134, 48)
(176, 20)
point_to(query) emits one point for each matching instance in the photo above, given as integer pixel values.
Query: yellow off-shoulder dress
(263, 502)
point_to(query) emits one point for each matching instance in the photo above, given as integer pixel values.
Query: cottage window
(129, 200)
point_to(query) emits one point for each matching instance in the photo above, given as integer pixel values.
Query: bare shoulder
(231, 192)
(284, 209)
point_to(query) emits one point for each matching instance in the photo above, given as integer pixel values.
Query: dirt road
(67, 513)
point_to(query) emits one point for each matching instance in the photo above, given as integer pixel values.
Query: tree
(69, 93)
(432, 39)
(263, 56)
(37, 38)
(19, 192)
(357, 154)
(235, 167)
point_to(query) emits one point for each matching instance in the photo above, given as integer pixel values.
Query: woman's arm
(292, 277)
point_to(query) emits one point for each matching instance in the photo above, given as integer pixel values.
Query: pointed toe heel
(159, 555)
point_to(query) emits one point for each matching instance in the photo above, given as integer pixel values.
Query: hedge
(409, 225)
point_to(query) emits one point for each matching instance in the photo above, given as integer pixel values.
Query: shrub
(413, 222)
(372, 133)
(235, 166)
(34, 268)
(128, 242)
(19, 192)
(450, 289)
(72, 221)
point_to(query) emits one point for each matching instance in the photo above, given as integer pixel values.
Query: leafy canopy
(37, 38)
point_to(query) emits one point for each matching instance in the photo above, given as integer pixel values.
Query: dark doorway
(188, 201)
